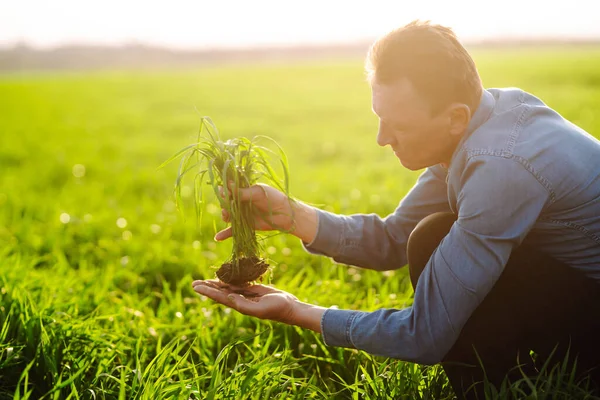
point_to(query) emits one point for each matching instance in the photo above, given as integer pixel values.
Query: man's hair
(432, 59)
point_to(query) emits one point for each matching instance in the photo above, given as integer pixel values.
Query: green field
(96, 263)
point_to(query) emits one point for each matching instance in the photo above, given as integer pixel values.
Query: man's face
(417, 137)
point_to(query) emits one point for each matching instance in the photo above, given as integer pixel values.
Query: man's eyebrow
(386, 122)
(395, 124)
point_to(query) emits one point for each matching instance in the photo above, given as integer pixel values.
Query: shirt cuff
(329, 233)
(336, 326)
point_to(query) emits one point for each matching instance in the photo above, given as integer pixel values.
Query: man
(501, 232)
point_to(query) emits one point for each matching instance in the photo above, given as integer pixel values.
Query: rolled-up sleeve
(336, 327)
(498, 203)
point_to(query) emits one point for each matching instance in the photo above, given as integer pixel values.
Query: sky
(187, 24)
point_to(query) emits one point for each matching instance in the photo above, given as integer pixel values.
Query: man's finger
(224, 234)
(235, 301)
(252, 193)
(225, 215)
(245, 306)
(214, 283)
(255, 192)
(253, 290)
(213, 293)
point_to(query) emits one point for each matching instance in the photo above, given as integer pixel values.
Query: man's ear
(460, 116)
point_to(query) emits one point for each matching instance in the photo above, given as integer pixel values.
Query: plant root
(248, 270)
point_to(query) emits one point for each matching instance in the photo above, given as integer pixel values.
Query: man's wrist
(308, 316)
(305, 222)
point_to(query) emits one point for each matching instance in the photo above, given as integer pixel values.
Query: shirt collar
(485, 108)
(486, 105)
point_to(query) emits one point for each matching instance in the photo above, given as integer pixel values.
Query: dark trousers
(538, 304)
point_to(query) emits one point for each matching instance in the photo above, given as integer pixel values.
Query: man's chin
(411, 165)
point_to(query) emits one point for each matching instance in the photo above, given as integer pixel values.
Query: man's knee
(424, 239)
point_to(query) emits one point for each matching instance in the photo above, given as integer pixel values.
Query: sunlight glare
(237, 23)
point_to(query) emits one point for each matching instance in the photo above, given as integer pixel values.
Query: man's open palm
(256, 300)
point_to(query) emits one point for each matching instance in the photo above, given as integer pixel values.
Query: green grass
(96, 264)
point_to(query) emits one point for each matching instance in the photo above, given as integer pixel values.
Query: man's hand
(263, 302)
(275, 211)
(257, 300)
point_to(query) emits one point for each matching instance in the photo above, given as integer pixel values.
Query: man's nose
(383, 136)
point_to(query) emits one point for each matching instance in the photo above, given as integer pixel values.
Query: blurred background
(96, 261)
(77, 34)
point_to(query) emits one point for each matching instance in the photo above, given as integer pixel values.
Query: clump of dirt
(248, 269)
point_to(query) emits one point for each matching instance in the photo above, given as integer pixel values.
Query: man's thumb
(224, 234)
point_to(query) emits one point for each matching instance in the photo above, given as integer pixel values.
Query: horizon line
(508, 39)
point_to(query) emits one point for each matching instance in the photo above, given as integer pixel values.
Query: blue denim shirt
(522, 173)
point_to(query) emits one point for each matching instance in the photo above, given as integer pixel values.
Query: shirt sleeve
(498, 203)
(369, 241)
